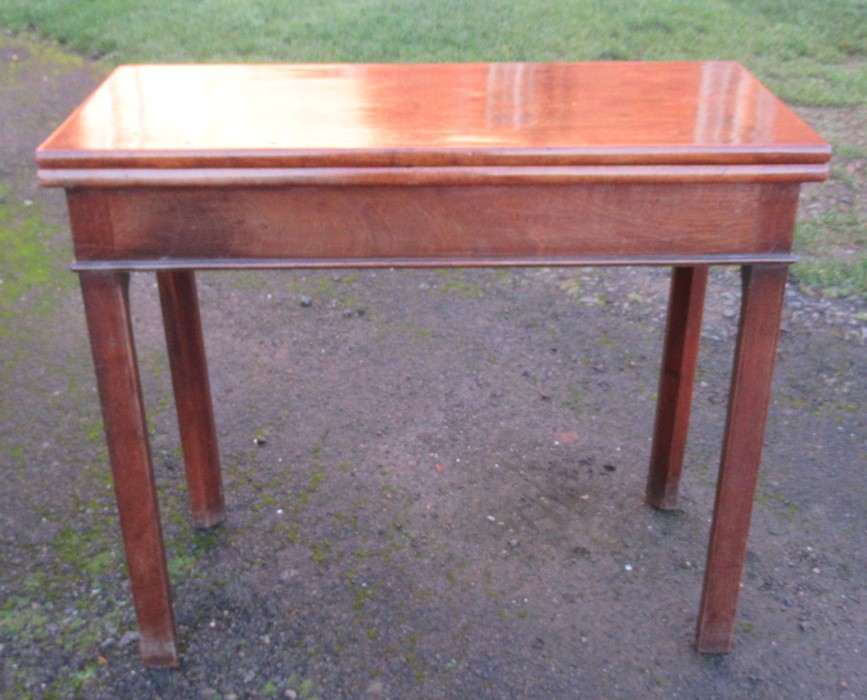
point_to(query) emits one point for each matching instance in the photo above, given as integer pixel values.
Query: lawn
(811, 53)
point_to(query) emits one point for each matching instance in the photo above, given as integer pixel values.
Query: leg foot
(186, 349)
(763, 287)
(676, 377)
(106, 303)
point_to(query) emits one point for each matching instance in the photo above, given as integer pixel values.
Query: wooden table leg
(761, 306)
(186, 349)
(106, 304)
(676, 377)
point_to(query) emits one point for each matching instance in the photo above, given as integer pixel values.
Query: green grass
(807, 51)
(29, 263)
(835, 271)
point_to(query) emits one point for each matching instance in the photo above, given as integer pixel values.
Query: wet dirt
(434, 481)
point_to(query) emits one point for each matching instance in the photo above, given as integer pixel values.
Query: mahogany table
(184, 168)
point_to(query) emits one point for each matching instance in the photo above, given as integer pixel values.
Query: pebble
(128, 638)
(377, 688)
(306, 301)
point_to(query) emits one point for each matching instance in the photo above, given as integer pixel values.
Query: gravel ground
(434, 480)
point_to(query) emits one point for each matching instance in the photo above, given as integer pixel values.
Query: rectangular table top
(431, 116)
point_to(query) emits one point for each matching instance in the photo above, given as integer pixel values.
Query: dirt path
(448, 500)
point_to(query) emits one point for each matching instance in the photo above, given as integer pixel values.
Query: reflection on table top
(200, 116)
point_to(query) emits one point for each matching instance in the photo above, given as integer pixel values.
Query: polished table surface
(177, 168)
(279, 116)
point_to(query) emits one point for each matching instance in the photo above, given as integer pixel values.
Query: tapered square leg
(186, 349)
(676, 378)
(761, 306)
(106, 304)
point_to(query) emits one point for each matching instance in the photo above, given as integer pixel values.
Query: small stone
(377, 688)
(291, 694)
(128, 638)
(513, 543)
(306, 301)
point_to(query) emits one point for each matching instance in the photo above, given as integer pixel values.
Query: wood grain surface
(435, 115)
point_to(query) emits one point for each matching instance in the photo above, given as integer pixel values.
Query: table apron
(523, 224)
